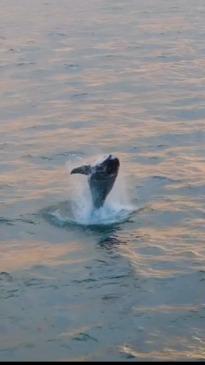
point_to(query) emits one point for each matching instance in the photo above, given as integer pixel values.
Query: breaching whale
(101, 178)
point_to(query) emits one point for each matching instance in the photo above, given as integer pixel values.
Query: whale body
(101, 178)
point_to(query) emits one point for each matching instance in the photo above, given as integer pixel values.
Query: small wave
(6, 221)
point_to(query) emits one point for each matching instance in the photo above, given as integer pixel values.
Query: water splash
(102, 217)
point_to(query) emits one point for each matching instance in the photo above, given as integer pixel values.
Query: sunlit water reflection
(80, 79)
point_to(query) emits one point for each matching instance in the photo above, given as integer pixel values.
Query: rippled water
(78, 79)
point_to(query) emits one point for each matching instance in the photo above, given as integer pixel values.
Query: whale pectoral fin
(85, 170)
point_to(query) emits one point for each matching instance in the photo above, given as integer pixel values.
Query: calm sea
(80, 79)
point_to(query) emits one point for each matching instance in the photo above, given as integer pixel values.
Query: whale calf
(101, 178)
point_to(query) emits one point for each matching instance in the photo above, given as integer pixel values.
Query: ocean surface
(81, 79)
